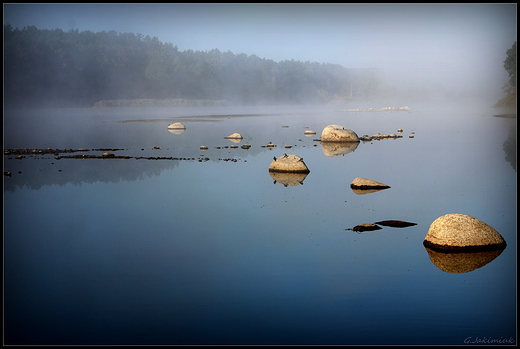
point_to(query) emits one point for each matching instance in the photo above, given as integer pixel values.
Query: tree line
(510, 86)
(56, 68)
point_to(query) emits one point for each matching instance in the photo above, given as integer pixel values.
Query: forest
(56, 68)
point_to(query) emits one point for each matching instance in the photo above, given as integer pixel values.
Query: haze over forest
(74, 55)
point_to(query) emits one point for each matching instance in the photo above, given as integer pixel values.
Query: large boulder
(337, 133)
(457, 231)
(288, 163)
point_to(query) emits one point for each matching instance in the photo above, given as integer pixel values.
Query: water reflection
(288, 179)
(34, 174)
(461, 262)
(366, 191)
(176, 131)
(509, 145)
(335, 149)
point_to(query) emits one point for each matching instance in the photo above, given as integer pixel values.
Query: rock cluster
(382, 109)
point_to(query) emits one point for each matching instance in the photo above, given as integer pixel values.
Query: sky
(448, 44)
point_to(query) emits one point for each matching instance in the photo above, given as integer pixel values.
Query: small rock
(176, 126)
(234, 136)
(366, 227)
(363, 183)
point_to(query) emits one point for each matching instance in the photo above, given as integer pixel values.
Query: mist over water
(415, 51)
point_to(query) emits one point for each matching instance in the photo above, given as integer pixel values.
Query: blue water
(210, 250)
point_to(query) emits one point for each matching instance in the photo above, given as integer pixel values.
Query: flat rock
(457, 231)
(396, 224)
(366, 227)
(337, 133)
(364, 183)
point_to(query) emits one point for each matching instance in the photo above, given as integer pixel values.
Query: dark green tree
(510, 67)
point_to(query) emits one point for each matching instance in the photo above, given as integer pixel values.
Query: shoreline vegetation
(143, 103)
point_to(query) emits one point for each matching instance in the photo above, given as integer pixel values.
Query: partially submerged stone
(337, 133)
(364, 183)
(396, 224)
(462, 232)
(288, 163)
(309, 132)
(234, 136)
(366, 227)
(176, 126)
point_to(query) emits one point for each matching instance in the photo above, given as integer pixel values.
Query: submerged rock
(363, 183)
(337, 133)
(366, 227)
(396, 224)
(462, 232)
(288, 163)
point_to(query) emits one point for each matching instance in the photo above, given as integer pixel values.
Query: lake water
(208, 248)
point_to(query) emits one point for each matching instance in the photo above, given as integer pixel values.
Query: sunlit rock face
(234, 136)
(337, 133)
(289, 163)
(461, 262)
(457, 231)
(364, 183)
(176, 126)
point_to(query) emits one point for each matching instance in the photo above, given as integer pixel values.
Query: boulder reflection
(335, 149)
(176, 131)
(366, 191)
(287, 178)
(461, 262)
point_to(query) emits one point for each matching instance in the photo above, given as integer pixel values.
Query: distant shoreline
(142, 103)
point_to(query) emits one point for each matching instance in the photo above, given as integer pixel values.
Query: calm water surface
(210, 249)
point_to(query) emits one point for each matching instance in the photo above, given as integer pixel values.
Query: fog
(446, 49)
